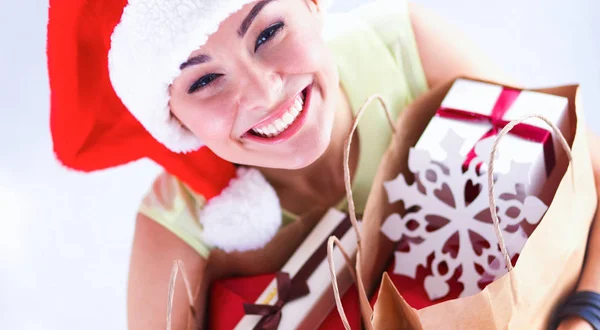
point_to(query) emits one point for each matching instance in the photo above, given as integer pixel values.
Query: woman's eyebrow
(241, 32)
(251, 16)
(195, 60)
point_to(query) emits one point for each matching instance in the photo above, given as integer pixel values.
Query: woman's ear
(171, 109)
(315, 5)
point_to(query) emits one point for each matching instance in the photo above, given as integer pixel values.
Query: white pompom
(245, 216)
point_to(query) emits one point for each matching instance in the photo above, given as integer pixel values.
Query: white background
(65, 237)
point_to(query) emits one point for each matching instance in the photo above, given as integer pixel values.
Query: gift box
(301, 296)
(448, 247)
(478, 110)
(228, 297)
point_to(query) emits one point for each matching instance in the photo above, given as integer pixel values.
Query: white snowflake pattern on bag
(439, 194)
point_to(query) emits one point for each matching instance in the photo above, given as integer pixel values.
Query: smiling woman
(270, 86)
(269, 67)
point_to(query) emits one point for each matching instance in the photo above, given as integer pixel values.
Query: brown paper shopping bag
(548, 266)
(391, 311)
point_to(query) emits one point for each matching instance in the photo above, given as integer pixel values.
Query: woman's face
(262, 91)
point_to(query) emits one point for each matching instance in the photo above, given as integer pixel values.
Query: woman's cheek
(211, 126)
(301, 55)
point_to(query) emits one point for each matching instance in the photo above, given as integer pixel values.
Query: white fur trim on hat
(148, 46)
(245, 216)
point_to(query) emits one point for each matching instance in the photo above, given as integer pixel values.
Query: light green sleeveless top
(376, 52)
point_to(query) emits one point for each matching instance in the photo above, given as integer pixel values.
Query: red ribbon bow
(496, 119)
(287, 291)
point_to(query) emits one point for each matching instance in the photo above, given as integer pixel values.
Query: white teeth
(281, 124)
(294, 112)
(288, 118)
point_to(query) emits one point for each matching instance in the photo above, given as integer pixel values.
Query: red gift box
(227, 299)
(299, 296)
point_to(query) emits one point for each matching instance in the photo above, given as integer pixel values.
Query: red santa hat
(110, 64)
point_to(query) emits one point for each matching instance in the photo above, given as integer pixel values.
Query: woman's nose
(262, 88)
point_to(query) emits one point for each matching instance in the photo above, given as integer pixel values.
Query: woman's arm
(446, 52)
(154, 251)
(590, 276)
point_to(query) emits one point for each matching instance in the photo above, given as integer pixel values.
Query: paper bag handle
(348, 145)
(336, 291)
(177, 266)
(492, 198)
(364, 300)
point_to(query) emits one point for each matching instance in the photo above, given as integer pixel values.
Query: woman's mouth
(285, 123)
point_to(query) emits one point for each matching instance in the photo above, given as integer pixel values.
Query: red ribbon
(292, 289)
(286, 292)
(496, 119)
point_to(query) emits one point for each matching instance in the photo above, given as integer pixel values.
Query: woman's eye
(267, 34)
(203, 82)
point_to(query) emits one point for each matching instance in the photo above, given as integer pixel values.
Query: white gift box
(480, 99)
(461, 133)
(310, 311)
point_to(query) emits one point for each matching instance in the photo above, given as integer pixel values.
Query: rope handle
(177, 266)
(348, 144)
(492, 195)
(364, 301)
(336, 291)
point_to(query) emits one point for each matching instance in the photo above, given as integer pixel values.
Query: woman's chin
(294, 160)
(305, 158)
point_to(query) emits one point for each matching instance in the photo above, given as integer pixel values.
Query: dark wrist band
(584, 304)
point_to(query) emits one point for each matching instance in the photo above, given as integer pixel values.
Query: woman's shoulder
(380, 22)
(167, 190)
(376, 52)
(244, 216)
(172, 205)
